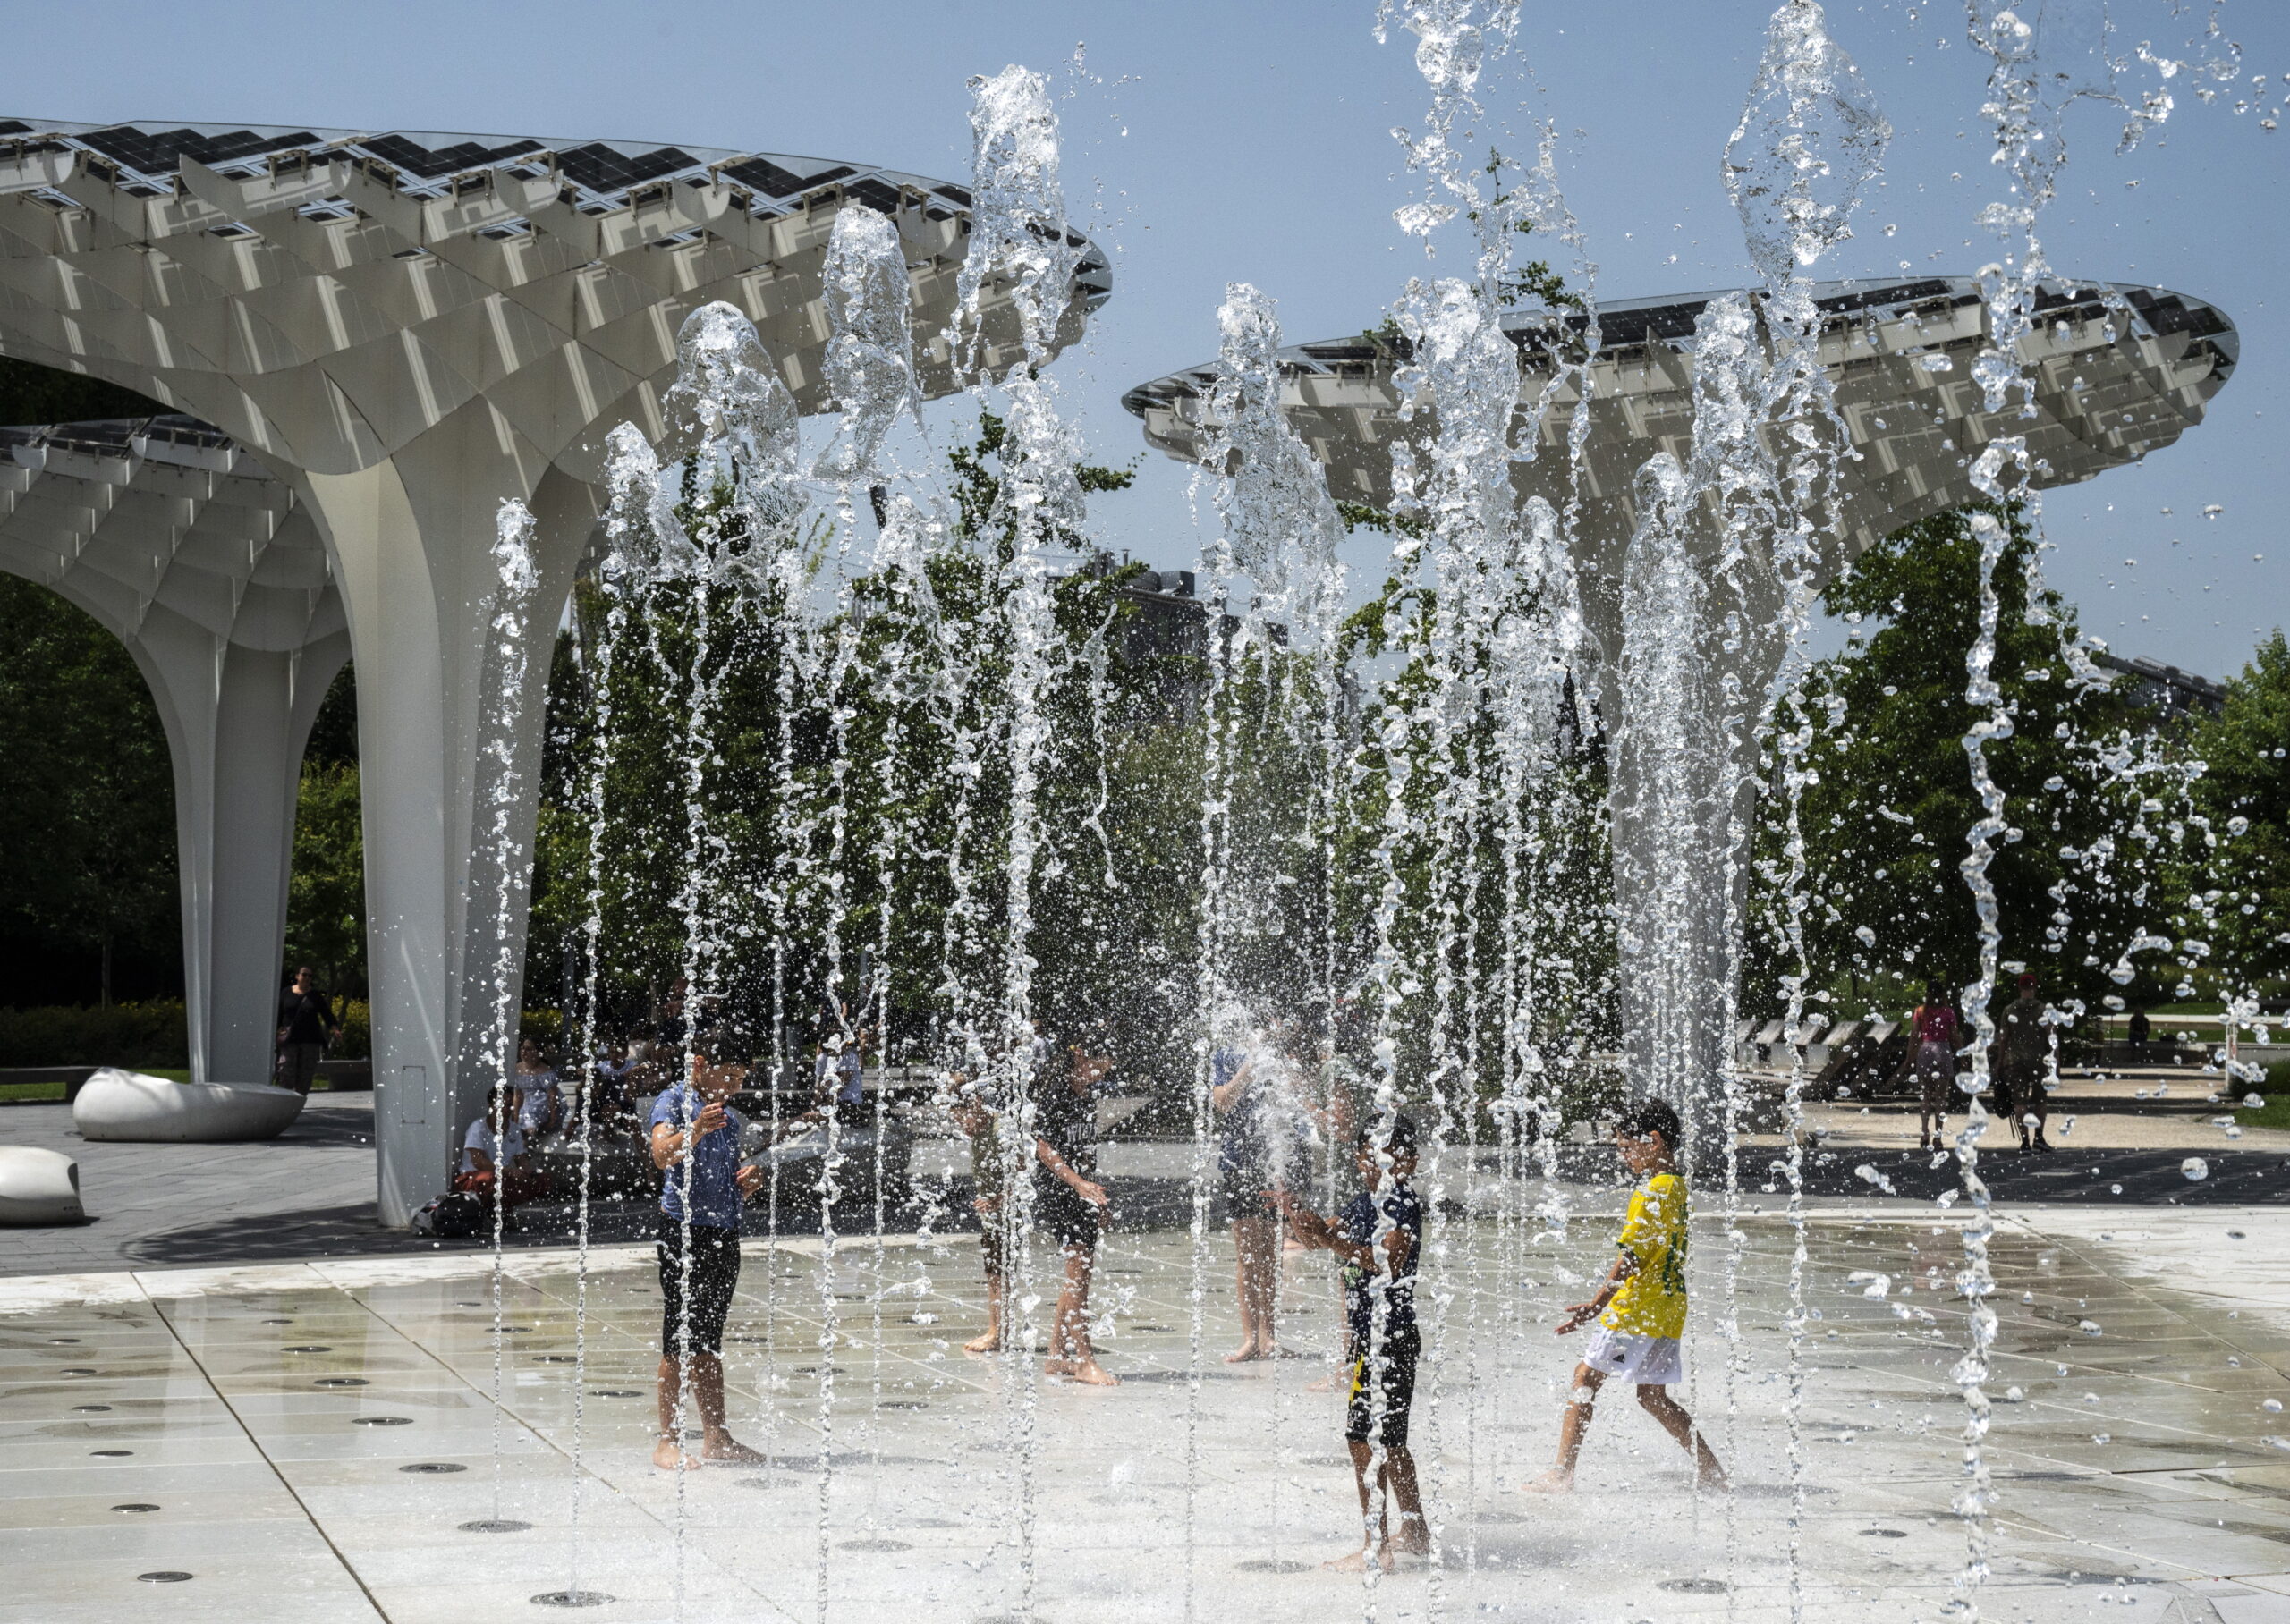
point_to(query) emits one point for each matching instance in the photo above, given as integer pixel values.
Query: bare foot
(722, 1446)
(991, 1342)
(1357, 1562)
(667, 1456)
(1416, 1544)
(1553, 1482)
(1094, 1374)
(1326, 1383)
(1249, 1354)
(1057, 1367)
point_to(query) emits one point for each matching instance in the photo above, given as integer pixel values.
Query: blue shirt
(850, 1073)
(712, 1166)
(1361, 1219)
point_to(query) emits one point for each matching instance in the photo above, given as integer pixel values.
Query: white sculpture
(129, 1105)
(38, 1186)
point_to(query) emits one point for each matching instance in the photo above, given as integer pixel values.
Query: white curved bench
(38, 1186)
(114, 1104)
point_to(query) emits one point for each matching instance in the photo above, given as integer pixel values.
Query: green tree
(87, 806)
(326, 891)
(2092, 797)
(2244, 888)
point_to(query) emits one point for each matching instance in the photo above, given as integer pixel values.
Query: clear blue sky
(1247, 140)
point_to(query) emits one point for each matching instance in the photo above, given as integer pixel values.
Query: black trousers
(714, 1273)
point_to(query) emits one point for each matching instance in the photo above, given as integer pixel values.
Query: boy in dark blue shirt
(696, 1145)
(1377, 1237)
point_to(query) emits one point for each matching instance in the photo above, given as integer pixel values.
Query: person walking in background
(1934, 1035)
(2018, 1060)
(839, 1074)
(306, 1025)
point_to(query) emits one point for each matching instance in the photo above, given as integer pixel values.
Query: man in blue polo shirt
(696, 1147)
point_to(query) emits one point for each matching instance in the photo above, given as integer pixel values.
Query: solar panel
(428, 162)
(600, 168)
(159, 152)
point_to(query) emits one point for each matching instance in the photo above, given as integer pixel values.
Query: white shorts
(1651, 1361)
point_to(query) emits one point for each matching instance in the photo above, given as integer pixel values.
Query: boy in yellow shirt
(1640, 1309)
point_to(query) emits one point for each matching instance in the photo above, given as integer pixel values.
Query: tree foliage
(2094, 800)
(2244, 889)
(89, 900)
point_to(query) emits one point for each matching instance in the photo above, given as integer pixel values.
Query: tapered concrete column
(412, 542)
(413, 560)
(1681, 714)
(237, 720)
(202, 565)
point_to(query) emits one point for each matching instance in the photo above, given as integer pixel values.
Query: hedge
(71, 1034)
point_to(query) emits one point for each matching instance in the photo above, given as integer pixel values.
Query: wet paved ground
(286, 1435)
(310, 1192)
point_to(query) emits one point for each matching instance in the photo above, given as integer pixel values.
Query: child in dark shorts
(988, 1180)
(1068, 1200)
(1377, 1237)
(695, 1143)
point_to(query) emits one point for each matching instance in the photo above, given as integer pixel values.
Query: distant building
(2175, 696)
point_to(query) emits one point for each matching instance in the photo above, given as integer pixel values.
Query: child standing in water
(988, 1181)
(1640, 1310)
(1377, 1238)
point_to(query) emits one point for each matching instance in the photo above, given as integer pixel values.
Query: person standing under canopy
(307, 1023)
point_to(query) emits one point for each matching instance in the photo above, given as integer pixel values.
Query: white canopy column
(211, 574)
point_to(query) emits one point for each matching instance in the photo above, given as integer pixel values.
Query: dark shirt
(1067, 1122)
(1360, 1221)
(712, 1169)
(307, 1017)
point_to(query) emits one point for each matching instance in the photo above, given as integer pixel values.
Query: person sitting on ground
(1642, 1308)
(603, 1108)
(1377, 1237)
(493, 1157)
(989, 1182)
(539, 1103)
(306, 1025)
(703, 1182)
(1068, 1201)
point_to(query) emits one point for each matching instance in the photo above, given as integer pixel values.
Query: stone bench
(38, 1187)
(133, 1107)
